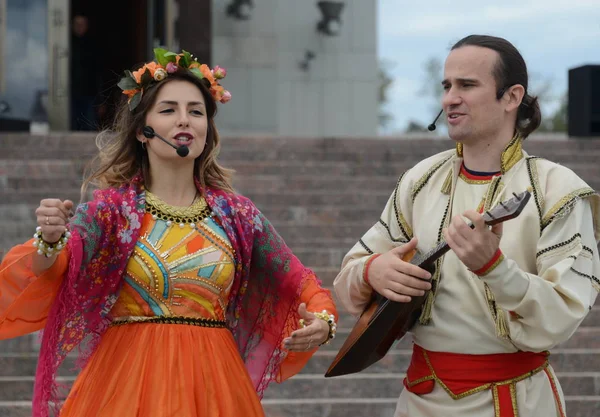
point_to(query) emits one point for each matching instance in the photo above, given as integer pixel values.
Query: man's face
(469, 100)
(80, 25)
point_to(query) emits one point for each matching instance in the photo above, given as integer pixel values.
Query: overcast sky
(552, 35)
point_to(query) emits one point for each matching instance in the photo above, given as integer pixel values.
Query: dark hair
(510, 70)
(122, 156)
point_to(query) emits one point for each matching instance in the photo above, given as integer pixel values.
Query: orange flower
(217, 92)
(130, 93)
(151, 66)
(207, 74)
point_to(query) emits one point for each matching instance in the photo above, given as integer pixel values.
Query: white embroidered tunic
(540, 292)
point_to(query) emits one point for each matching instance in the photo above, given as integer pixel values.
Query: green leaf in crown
(197, 72)
(128, 82)
(159, 55)
(146, 79)
(186, 59)
(135, 100)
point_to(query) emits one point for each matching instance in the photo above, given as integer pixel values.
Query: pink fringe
(47, 390)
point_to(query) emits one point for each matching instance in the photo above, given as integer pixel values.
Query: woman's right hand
(396, 279)
(53, 216)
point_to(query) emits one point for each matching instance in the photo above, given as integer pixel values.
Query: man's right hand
(398, 280)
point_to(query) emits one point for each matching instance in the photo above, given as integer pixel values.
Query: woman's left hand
(315, 332)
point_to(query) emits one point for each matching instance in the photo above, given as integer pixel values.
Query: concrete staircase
(322, 195)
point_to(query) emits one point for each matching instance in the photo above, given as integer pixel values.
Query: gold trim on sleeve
(564, 206)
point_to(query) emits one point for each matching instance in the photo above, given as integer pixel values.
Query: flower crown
(134, 83)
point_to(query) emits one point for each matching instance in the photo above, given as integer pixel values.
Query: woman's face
(179, 116)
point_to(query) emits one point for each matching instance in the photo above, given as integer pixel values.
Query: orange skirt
(164, 370)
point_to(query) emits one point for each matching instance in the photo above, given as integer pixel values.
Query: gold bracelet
(330, 320)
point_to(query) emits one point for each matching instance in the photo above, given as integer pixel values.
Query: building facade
(295, 68)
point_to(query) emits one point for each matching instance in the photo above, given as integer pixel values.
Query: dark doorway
(117, 33)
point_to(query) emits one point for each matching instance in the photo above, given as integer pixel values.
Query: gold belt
(191, 321)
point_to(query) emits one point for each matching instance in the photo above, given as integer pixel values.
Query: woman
(187, 300)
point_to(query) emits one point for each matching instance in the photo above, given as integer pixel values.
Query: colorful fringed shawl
(263, 302)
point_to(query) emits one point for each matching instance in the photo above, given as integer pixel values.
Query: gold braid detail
(198, 211)
(498, 315)
(512, 154)
(565, 205)
(513, 398)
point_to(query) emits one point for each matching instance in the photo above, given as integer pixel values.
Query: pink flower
(171, 67)
(226, 96)
(219, 72)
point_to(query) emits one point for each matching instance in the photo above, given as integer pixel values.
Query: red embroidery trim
(484, 269)
(367, 265)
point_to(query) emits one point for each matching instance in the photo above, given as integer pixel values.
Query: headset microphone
(431, 127)
(182, 150)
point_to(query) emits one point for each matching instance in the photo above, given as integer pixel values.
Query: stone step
(15, 408)
(276, 185)
(347, 321)
(16, 232)
(65, 168)
(375, 199)
(41, 168)
(360, 161)
(306, 386)
(577, 406)
(247, 184)
(24, 364)
(396, 361)
(397, 145)
(17, 345)
(56, 168)
(276, 214)
(587, 334)
(584, 338)
(389, 385)
(324, 254)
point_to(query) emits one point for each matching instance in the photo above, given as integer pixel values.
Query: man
(85, 76)
(503, 296)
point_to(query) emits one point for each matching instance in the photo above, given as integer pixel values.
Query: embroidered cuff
(367, 265)
(491, 265)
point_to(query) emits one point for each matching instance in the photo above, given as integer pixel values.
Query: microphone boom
(182, 150)
(431, 127)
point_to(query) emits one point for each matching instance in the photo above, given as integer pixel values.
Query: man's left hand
(474, 247)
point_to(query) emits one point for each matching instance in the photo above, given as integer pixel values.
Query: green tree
(385, 82)
(432, 90)
(413, 127)
(556, 121)
(542, 87)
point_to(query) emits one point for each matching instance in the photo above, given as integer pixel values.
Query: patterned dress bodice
(182, 265)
